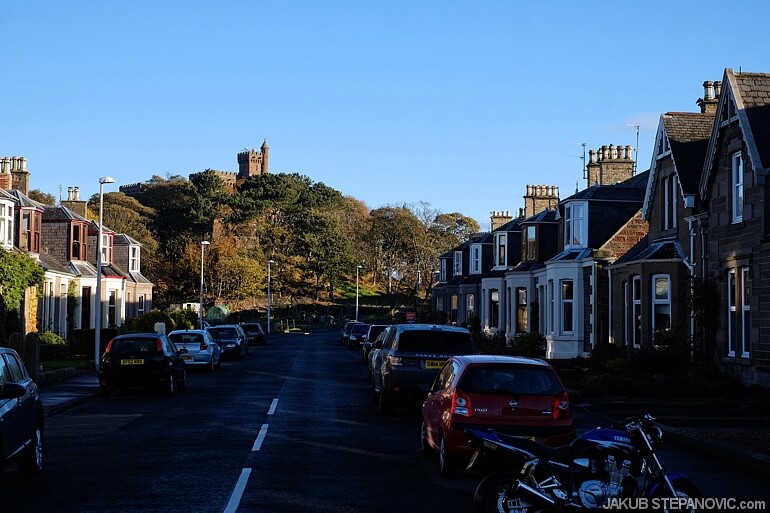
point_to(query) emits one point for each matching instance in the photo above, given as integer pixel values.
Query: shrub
(146, 323)
(529, 344)
(494, 343)
(49, 337)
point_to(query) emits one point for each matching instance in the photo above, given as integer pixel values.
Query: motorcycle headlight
(655, 436)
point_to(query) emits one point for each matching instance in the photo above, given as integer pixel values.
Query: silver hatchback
(201, 349)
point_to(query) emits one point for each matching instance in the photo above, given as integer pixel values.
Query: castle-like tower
(252, 162)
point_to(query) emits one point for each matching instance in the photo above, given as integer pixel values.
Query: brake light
(461, 404)
(109, 347)
(204, 346)
(158, 345)
(561, 407)
(395, 361)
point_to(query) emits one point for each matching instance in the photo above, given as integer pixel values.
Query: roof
(121, 239)
(24, 200)
(61, 213)
(688, 137)
(665, 249)
(544, 216)
(627, 190)
(500, 359)
(432, 327)
(48, 263)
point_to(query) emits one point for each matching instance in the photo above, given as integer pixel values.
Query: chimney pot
(707, 90)
(717, 89)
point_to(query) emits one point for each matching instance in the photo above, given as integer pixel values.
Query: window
(500, 242)
(521, 310)
(106, 249)
(133, 263)
(567, 305)
(443, 269)
(140, 305)
(470, 306)
(79, 249)
(668, 205)
(551, 305)
(112, 308)
(574, 225)
(636, 312)
(6, 225)
(661, 304)
(457, 270)
(454, 300)
(530, 248)
(626, 308)
(737, 187)
(494, 305)
(739, 312)
(475, 259)
(85, 307)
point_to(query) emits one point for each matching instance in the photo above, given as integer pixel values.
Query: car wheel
(425, 447)
(211, 364)
(446, 466)
(183, 381)
(105, 390)
(219, 362)
(171, 384)
(31, 458)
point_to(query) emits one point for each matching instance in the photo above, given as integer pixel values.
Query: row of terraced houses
(618, 261)
(64, 242)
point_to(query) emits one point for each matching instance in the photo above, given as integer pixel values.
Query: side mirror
(12, 391)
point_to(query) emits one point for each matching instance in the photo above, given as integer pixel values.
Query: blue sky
(456, 104)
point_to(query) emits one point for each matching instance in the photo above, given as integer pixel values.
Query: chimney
(19, 174)
(74, 203)
(498, 219)
(711, 92)
(609, 165)
(6, 182)
(539, 198)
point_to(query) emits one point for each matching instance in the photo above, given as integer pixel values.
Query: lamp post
(269, 299)
(417, 291)
(204, 243)
(357, 268)
(98, 324)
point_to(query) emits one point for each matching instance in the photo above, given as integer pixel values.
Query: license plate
(434, 364)
(188, 358)
(135, 361)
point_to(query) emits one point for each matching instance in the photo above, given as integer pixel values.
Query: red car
(514, 395)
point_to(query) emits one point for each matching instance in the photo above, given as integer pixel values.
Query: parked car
(346, 332)
(200, 348)
(374, 352)
(514, 395)
(410, 358)
(358, 335)
(231, 339)
(21, 416)
(142, 360)
(254, 333)
(368, 341)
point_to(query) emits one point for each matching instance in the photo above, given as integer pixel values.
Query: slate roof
(49, 263)
(24, 200)
(753, 89)
(664, 249)
(688, 137)
(61, 213)
(544, 216)
(629, 190)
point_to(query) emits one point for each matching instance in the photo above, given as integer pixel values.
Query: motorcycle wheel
(493, 496)
(684, 490)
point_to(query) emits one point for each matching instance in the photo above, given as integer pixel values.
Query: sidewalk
(73, 389)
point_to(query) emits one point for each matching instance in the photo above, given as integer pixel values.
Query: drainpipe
(610, 337)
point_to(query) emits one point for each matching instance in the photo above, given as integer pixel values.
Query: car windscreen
(511, 379)
(374, 331)
(185, 338)
(135, 345)
(360, 329)
(223, 332)
(424, 341)
(252, 328)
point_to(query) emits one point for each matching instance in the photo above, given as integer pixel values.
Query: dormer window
(574, 225)
(79, 242)
(500, 245)
(443, 269)
(457, 269)
(737, 187)
(29, 231)
(668, 205)
(6, 225)
(133, 259)
(106, 248)
(530, 244)
(476, 259)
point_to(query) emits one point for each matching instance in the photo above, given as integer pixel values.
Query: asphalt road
(288, 428)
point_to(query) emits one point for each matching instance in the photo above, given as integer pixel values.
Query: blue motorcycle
(606, 468)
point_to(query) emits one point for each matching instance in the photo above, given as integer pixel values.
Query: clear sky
(457, 104)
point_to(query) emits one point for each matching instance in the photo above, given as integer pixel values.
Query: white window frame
(134, 262)
(732, 309)
(470, 306)
(737, 192)
(457, 264)
(746, 312)
(476, 259)
(106, 249)
(443, 269)
(738, 310)
(660, 301)
(140, 304)
(575, 224)
(567, 303)
(669, 202)
(551, 306)
(626, 308)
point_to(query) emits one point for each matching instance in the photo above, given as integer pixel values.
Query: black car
(142, 360)
(21, 416)
(254, 333)
(231, 339)
(346, 332)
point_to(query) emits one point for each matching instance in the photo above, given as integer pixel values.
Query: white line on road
(260, 438)
(273, 405)
(240, 486)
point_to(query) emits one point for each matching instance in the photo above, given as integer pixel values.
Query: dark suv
(411, 356)
(21, 415)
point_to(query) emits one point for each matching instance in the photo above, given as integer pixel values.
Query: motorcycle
(605, 468)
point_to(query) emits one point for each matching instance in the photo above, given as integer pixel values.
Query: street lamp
(269, 265)
(204, 243)
(98, 324)
(357, 268)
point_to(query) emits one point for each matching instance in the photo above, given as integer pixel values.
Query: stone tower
(609, 165)
(252, 162)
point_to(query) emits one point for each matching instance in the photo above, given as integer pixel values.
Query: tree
(18, 272)
(42, 197)
(393, 232)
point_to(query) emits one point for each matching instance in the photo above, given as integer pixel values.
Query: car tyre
(31, 458)
(211, 364)
(219, 362)
(105, 390)
(171, 383)
(183, 382)
(446, 464)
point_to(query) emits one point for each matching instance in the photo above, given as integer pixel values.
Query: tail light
(461, 404)
(158, 345)
(561, 407)
(109, 348)
(395, 361)
(204, 346)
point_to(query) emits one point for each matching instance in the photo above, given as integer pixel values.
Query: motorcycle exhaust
(527, 490)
